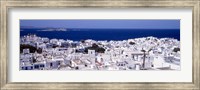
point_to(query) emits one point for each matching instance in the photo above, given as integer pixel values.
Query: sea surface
(103, 34)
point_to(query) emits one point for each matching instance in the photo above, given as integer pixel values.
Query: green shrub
(176, 49)
(32, 49)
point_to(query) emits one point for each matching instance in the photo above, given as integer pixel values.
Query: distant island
(24, 28)
(54, 29)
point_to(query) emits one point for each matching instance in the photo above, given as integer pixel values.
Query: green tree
(176, 49)
(32, 49)
(39, 50)
(96, 48)
(131, 43)
(82, 41)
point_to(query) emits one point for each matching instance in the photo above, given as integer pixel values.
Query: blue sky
(104, 23)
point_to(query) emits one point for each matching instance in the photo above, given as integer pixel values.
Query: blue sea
(104, 34)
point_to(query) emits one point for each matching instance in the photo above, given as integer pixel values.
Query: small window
(36, 66)
(41, 65)
(76, 68)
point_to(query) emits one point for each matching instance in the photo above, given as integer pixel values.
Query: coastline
(77, 35)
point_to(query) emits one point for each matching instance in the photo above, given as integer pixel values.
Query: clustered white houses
(148, 53)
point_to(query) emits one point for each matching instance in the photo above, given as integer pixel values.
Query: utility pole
(144, 51)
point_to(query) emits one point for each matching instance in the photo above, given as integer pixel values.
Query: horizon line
(92, 28)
